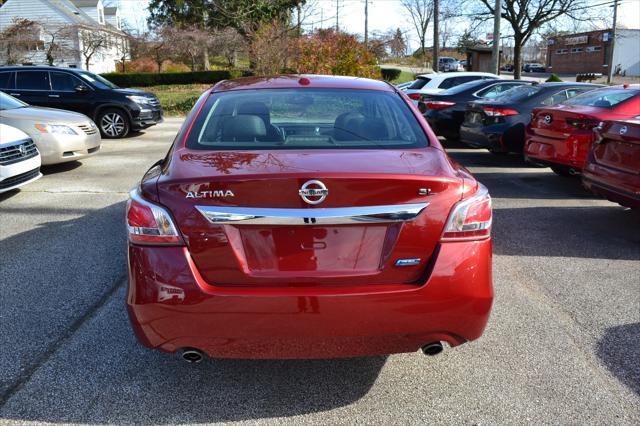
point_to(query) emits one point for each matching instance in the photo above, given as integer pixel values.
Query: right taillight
(500, 112)
(438, 104)
(415, 96)
(470, 219)
(150, 224)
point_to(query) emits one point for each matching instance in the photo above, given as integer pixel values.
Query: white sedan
(429, 84)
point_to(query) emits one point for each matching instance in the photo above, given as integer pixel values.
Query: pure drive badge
(218, 193)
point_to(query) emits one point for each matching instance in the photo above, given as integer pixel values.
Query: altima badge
(210, 194)
(313, 192)
(623, 130)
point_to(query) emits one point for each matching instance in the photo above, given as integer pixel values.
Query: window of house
(101, 16)
(562, 51)
(594, 48)
(32, 80)
(577, 50)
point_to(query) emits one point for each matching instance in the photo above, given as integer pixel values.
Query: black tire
(113, 123)
(561, 171)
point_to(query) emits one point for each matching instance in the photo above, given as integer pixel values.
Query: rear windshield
(419, 83)
(464, 86)
(518, 93)
(607, 98)
(305, 119)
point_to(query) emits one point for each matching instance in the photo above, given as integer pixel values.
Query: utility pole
(436, 34)
(337, 15)
(366, 22)
(495, 51)
(613, 42)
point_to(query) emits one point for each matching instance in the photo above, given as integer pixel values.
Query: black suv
(116, 111)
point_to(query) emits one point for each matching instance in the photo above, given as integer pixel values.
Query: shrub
(390, 74)
(553, 78)
(157, 79)
(336, 53)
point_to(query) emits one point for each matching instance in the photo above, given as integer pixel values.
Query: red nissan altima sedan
(307, 217)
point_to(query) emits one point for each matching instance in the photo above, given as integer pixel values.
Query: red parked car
(560, 136)
(307, 217)
(613, 166)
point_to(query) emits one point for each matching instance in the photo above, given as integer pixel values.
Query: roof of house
(85, 3)
(70, 10)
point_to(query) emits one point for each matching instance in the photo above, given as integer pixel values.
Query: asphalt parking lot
(562, 345)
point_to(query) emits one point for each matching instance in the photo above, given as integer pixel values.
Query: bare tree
(421, 13)
(57, 42)
(19, 39)
(91, 41)
(527, 16)
(189, 42)
(228, 43)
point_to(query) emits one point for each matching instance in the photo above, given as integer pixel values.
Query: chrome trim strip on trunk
(311, 216)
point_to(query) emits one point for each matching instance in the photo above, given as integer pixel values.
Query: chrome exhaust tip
(192, 356)
(432, 349)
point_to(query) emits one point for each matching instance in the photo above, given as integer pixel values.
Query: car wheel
(113, 124)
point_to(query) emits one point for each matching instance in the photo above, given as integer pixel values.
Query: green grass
(177, 99)
(404, 77)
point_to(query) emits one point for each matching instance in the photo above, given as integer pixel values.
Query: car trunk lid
(619, 146)
(356, 235)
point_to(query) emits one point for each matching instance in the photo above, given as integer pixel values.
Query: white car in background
(19, 159)
(60, 135)
(430, 84)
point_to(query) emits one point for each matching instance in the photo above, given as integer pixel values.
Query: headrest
(255, 108)
(243, 128)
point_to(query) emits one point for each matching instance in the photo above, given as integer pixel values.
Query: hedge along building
(589, 52)
(83, 29)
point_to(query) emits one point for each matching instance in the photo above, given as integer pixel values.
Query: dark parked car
(534, 68)
(499, 124)
(116, 111)
(445, 110)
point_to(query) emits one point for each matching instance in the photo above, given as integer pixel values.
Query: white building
(626, 54)
(86, 30)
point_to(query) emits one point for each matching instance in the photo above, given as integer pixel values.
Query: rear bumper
(570, 152)
(480, 137)
(171, 307)
(615, 185)
(443, 124)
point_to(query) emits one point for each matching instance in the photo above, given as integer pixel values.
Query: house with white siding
(86, 34)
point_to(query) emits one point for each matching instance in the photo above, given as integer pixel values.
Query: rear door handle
(54, 96)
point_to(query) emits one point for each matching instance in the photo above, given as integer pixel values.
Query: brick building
(588, 52)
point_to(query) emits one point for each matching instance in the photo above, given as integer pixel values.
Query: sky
(384, 15)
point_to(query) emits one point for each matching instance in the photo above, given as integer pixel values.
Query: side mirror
(81, 88)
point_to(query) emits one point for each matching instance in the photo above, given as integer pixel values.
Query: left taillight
(150, 224)
(415, 96)
(471, 218)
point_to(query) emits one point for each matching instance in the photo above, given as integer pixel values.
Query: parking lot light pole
(495, 51)
(613, 42)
